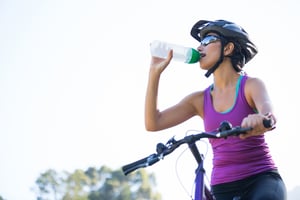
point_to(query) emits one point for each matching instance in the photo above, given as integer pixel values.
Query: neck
(225, 76)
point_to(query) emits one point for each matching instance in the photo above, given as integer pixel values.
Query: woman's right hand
(160, 64)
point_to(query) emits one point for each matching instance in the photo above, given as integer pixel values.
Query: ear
(228, 49)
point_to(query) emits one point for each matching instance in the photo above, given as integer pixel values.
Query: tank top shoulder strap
(241, 93)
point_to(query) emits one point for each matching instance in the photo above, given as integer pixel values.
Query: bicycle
(202, 191)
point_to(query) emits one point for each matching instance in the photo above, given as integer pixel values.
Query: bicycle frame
(202, 192)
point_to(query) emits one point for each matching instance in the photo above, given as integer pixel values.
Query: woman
(243, 167)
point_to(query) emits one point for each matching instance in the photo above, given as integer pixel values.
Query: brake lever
(171, 141)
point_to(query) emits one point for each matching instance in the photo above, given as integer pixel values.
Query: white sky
(73, 76)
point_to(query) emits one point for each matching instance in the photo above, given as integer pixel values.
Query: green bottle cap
(194, 56)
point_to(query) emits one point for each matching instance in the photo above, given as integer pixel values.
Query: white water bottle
(180, 53)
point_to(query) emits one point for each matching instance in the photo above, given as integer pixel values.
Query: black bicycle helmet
(230, 32)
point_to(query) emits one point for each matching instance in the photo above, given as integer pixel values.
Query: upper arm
(188, 107)
(257, 95)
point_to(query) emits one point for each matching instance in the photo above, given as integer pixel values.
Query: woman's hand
(160, 64)
(256, 122)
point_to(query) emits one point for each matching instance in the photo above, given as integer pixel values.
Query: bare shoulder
(254, 83)
(195, 100)
(195, 96)
(255, 90)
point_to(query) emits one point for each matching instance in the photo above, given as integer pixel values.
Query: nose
(200, 47)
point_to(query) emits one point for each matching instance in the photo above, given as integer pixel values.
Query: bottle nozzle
(194, 56)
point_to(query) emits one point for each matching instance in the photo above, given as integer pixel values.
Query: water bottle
(180, 53)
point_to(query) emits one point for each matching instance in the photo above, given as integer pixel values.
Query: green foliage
(96, 184)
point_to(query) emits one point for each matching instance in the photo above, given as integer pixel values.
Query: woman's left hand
(256, 122)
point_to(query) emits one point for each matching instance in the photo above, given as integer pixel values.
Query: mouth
(202, 55)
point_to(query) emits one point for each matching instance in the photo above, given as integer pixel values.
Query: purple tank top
(233, 158)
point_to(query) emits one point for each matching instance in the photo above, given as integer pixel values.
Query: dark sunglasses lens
(209, 39)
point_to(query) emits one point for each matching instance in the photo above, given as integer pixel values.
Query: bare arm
(258, 98)
(156, 120)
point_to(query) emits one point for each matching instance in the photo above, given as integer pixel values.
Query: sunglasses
(209, 39)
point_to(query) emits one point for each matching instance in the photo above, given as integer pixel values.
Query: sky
(73, 76)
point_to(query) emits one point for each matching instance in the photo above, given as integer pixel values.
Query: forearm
(151, 111)
(152, 115)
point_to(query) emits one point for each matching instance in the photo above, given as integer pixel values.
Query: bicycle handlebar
(162, 150)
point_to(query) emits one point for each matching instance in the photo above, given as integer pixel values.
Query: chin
(204, 67)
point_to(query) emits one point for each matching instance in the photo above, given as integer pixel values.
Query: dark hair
(238, 56)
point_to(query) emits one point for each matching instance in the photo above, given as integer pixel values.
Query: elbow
(151, 127)
(153, 122)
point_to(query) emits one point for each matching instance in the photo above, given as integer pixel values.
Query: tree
(96, 184)
(48, 185)
(76, 186)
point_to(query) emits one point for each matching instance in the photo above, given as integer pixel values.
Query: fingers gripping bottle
(180, 53)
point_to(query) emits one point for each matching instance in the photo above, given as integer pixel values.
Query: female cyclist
(243, 167)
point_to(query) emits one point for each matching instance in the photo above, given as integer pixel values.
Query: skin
(224, 79)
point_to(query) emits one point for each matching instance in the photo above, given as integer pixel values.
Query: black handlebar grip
(145, 162)
(133, 166)
(267, 123)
